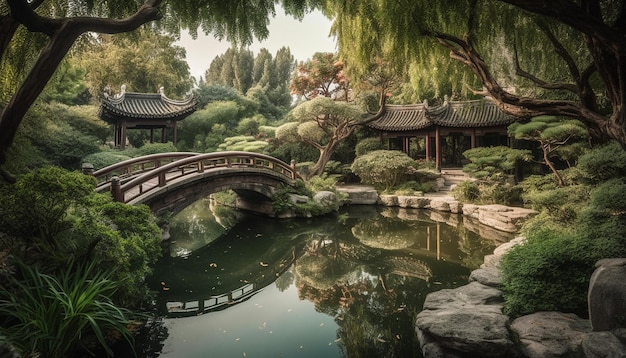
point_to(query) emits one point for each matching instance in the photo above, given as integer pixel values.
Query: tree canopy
(144, 63)
(533, 57)
(36, 35)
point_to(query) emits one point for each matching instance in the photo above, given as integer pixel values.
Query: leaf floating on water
(337, 340)
(398, 337)
(321, 324)
(381, 340)
(436, 283)
(165, 288)
(212, 264)
(263, 264)
(244, 354)
(162, 283)
(289, 310)
(258, 235)
(236, 339)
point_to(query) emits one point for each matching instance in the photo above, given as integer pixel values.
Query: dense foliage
(53, 216)
(63, 315)
(576, 226)
(560, 58)
(383, 169)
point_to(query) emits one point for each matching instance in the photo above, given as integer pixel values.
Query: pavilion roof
(453, 114)
(144, 106)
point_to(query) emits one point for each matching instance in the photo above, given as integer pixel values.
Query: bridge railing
(136, 166)
(162, 175)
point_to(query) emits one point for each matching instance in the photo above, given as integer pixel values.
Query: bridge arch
(187, 177)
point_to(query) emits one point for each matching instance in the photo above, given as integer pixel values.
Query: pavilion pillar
(151, 135)
(163, 134)
(123, 135)
(406, 145)
(473, 138)
(437, 148)
(175, 132)
(427, 145)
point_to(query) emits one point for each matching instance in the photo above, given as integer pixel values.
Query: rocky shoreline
(468, 321)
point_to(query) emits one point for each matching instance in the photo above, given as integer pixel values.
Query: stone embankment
(499, 217)
(468, 321)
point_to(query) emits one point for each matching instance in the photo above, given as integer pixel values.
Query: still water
(348, 285)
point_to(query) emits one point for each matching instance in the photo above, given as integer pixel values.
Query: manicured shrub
(368, 145)
(383, 169)
(603, 163)
(493, 163)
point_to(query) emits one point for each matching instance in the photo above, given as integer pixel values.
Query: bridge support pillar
(116, 190)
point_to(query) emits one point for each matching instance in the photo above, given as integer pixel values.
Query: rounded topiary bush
(383, 169)
(367, 145)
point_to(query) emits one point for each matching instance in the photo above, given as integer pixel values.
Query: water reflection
(364, 277)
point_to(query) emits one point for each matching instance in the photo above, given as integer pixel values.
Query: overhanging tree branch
(63, 33)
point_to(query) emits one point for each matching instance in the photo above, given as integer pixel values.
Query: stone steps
(452, 177)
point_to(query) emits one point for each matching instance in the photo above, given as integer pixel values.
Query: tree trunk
(548, 162)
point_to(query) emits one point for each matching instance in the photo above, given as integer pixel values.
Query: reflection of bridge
(213, 303)
(170, 181)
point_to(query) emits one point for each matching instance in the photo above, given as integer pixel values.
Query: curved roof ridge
(461, 114)
(138, 106)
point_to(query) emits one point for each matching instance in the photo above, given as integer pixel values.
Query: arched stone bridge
(167, 182)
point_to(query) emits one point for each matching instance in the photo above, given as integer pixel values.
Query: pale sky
(304, 38)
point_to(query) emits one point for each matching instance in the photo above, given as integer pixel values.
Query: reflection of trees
(389, 234)
(366, 292)
(474, 248)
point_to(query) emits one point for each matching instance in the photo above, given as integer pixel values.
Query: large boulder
(465, 320)
(325, 198)
(551, 334)
(607, 295)
(603, 345)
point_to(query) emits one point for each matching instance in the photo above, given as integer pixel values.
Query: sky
(304, 38)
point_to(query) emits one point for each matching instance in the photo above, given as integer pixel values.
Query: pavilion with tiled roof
(480, 121)
(132, 110)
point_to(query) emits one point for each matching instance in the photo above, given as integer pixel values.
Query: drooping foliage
(533, 58)
(35, 36)
(144, 61)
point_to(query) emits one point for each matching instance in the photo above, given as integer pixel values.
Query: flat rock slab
(488, 276)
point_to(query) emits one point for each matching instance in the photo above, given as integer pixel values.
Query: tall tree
(46, 30)
(321, 123)
(323, 75)
(533, 57)
(144, 63)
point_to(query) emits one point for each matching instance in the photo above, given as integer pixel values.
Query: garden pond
(345, 285)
